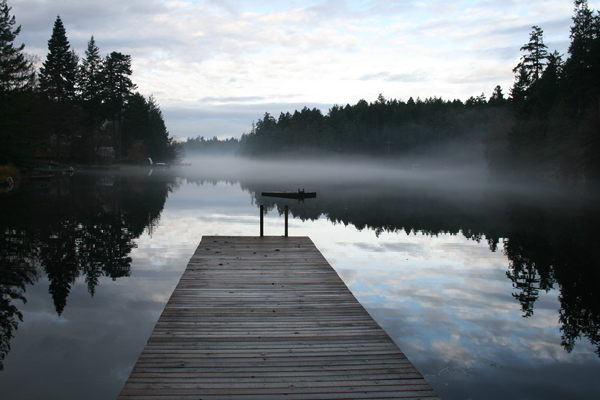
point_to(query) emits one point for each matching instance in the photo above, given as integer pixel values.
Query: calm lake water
(490, 290)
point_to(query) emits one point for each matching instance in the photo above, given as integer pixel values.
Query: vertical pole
(262, 220)
(286, 221)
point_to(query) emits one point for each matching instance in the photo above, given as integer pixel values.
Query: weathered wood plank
(265, 318)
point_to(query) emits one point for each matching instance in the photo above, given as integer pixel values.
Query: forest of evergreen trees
(80, 110)
(201, 145)
(384, 128)
(87, 110)
(547, 126)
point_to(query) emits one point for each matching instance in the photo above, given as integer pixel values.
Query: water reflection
(557, 249)
(84, 229)
(552, 243)
(71, 228)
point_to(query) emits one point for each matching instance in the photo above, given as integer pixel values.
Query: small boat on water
(300, 194)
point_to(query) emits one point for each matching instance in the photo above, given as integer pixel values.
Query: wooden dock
(268, 318)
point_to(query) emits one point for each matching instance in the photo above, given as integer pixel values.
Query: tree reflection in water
(83, 226)
(16, 271)
(552, 243)
(550, 250)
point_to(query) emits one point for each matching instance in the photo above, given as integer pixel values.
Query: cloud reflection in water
(445, 299)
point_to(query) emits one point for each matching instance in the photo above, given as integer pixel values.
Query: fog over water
(440, 176)
(489, 288)
(421, 172)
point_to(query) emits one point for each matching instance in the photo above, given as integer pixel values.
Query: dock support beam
(286, 220)
(262, 220)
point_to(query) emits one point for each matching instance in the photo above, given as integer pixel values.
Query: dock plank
(266, 318)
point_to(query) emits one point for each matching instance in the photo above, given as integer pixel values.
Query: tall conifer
(529, 70)
(58, 79)
(582, 69)
(59, 72)
(158, 137)
(118, 88)
(91, 81)
(15, 75)
(15, 70)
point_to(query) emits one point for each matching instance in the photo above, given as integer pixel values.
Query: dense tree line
(71, 108)
(381, 128)
(555, 105)
(201, 145)
(548, 125)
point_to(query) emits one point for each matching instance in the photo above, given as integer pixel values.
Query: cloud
(224, 117)
(318, 51)
(246, 99)
(484, 73)
(389, 77)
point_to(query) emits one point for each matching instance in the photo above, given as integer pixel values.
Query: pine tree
(535, 55)
(144, 132)
(519, 93)
(497, 99)
(158, 137)
(528, 73)
(551, 81)
(59, 72)
(16, 74)
(15, 70)
(118, 87)
(582, 69)
(531, 65)
(57, 85)
(91, 82)
(135, 128)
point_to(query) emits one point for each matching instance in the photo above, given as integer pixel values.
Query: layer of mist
(418, 172)
(432, 174)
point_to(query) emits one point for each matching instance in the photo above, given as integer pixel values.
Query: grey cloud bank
(254, 55)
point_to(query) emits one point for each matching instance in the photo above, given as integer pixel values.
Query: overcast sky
(216, 66)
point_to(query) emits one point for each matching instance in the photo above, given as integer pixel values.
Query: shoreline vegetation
(547, 127)
(74, 110)
(86, 112)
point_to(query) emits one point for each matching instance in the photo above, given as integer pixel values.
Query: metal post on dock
(286, 220)
(262, 220)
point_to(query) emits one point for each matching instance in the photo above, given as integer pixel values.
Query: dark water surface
(490, 290)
